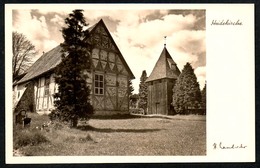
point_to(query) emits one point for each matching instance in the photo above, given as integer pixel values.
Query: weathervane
(165, 41)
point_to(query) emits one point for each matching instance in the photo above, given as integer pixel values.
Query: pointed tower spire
(165, 41)
(165, 67)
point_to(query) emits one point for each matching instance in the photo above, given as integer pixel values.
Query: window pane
(101, 78)
(96, 84)
(101, 91)
(96, 77)
(96, 90)
(101, 84)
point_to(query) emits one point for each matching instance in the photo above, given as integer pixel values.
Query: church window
(99, 84)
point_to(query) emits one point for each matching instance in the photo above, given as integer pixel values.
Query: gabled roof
(52, 58)
(19, 77)
(45, 63)
(165, 67)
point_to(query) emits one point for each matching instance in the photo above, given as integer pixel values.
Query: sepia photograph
(107, 80)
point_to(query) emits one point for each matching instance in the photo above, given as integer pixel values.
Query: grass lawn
(136, 135)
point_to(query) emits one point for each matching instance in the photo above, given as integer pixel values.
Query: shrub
(57, 126)
(26, 138)
(54, 115)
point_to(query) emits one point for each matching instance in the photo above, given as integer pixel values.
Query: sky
(138, 33)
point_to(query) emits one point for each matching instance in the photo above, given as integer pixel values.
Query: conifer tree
(131, 88)
(143, 92)
(186, 92)
(203, 97)
(72, 100)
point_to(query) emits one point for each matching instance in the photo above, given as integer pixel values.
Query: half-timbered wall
(45, 87)
(107, 64)
(110, 81)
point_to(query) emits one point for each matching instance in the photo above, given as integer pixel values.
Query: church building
(108, 78)
(160, 84)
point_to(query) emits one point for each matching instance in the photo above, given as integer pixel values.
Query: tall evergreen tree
(143, 92)
(203, 97)
(131, 88)
(72, 100)
(186, 92)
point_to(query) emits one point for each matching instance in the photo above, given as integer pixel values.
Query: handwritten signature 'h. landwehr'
(233, 146)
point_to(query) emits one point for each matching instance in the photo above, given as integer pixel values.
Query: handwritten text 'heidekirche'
(226, 22)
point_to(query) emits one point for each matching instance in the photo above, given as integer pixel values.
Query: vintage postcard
(139, 83)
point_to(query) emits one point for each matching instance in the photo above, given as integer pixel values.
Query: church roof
(49, 60)
(165, 67)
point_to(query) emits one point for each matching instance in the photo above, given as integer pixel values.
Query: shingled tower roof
(165, 67)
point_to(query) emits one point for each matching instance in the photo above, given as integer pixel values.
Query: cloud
(41, 30)
(139, 34)
(142, 43)
(47, 11)
(30, 26)
(35, 29)
(187, 46)
(200, 72)
(57, 20)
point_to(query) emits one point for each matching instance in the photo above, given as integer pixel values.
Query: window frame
(99, 84)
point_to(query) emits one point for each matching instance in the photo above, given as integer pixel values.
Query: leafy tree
(186, 92)
(203, 97)
(23, 51)
(143, 92)
(72, 100)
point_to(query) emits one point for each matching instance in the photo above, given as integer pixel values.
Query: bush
(57, 126)
(54, 115)
(26, 138)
